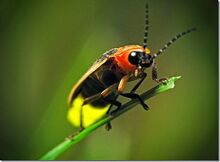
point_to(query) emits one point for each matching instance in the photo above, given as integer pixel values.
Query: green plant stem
(59, 149)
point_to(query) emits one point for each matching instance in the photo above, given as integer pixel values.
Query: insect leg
(135, 96)
(108, 125)
(130, 95)
(102, 94)
(81, 118)
(154, 75)
(97, 96)
(139, 83)
(92, 98)
(113, 103)
(86, 101)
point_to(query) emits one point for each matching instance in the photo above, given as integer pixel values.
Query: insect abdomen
(95, 83)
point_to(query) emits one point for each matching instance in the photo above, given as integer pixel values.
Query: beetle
(94, 95)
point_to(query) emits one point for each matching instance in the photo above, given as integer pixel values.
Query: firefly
(96, 92)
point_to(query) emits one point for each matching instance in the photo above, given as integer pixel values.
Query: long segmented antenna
(146, 27)
(173, 40)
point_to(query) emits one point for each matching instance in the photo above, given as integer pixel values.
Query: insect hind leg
(108, 125)
(135, 96)
(81, 118)
(104, 95)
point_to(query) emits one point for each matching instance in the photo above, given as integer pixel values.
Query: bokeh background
(46, 46)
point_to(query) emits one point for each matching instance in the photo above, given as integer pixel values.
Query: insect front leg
(131, 95)
(155, 75)
(144, 75)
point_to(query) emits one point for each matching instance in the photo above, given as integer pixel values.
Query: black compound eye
(134, 58)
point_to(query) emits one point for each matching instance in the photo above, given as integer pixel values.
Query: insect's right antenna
(146, 27)
(172, 41)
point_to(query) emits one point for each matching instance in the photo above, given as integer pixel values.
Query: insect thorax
(105, 76)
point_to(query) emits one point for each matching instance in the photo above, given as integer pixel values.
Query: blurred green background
(46, 46)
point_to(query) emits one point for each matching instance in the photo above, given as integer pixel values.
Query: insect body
(94, 94)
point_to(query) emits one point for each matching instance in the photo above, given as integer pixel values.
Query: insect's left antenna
(146, 27)
(172, 41)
